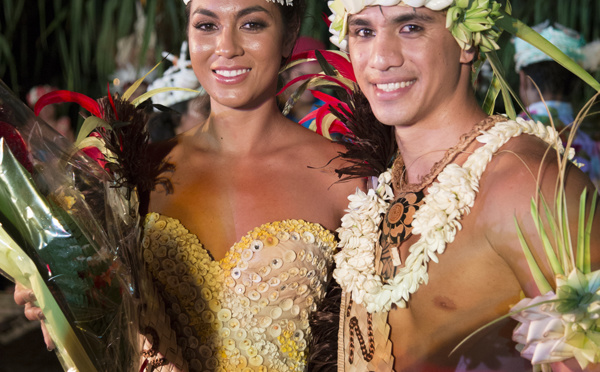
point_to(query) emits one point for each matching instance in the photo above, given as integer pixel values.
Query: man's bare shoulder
(518, 172)
(524, 166)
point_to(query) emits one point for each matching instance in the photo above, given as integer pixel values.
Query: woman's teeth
(232, 73)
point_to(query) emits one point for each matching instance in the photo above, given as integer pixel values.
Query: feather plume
(370, 145)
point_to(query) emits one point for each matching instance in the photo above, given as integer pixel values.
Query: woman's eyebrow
(250, 10)
(241, 13)
(206, 12)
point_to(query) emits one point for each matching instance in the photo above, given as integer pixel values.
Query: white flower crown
(282, 2)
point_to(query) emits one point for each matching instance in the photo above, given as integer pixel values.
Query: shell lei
(437, 221)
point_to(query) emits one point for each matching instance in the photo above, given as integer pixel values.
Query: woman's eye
(253, 25)
(205, 26)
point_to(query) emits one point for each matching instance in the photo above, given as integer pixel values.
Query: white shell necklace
(437, 221)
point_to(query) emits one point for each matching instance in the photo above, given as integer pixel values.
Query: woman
(239, 251)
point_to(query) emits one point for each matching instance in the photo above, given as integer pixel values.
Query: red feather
(309, 76)
(321, 113)
(62, 96)
(311, 115)
(326, 19)
(16, 144)
(324, 97)
(338, 62)
(112, 102)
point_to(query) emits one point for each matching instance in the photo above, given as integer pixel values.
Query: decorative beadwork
(243, 311)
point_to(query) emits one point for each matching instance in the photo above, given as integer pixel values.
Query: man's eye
(363, 32)
(411, 29)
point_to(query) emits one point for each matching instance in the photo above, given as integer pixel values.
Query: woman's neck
(241, 131)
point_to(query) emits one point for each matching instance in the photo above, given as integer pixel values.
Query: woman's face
(236, 47)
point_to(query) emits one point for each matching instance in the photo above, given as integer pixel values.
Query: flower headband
(471, 22)
(282, 2)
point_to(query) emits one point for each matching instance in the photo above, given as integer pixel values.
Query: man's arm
(516, 176)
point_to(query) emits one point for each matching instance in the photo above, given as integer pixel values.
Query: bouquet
(564, 322)
(69, 231)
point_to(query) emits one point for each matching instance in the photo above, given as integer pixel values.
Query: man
(556, 84)
(432, 254)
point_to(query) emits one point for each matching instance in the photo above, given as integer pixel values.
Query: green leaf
(580, 259)
(153, 92)
(489, 103)
(588, 233)
(129, 92)
(551, 222)
(505, 87)
(89, 124)
(566, 232)
(536, 272)
(548, 249)
(526, 33)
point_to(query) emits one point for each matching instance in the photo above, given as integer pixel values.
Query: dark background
(73, 44)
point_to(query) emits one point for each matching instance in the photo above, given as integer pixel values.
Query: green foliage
(580, 15)
(72, 44)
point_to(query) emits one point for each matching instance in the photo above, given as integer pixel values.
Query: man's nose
(386, 52)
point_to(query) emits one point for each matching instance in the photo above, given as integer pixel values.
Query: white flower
(431, 4)
(566, 327)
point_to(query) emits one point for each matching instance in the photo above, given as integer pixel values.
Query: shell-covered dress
(247, 312)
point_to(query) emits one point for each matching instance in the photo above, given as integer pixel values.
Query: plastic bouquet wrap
(69, 232)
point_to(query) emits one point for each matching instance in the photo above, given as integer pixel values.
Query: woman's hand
(24, 296)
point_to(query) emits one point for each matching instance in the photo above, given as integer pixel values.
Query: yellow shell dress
(247, 312)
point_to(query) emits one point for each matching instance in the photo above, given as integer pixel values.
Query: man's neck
(425, 143)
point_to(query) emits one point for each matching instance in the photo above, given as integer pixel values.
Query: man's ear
(469, 56)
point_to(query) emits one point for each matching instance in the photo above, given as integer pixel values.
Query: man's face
(406, 62)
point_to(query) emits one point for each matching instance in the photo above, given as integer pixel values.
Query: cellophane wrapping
(69, 234)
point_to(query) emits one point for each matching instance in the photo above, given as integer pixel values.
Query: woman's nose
(228, 45)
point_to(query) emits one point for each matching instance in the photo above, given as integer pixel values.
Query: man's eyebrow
(412, 16)
(403, 18)
(354, 21)
(241, 13)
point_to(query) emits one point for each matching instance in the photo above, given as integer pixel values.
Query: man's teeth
(393, 86)
(232, 73)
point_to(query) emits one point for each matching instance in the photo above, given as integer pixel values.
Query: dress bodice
(250, 310)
